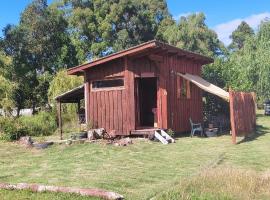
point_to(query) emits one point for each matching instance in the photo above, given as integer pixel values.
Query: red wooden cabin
(137, 88)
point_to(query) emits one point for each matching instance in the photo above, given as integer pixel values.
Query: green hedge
(42, 124)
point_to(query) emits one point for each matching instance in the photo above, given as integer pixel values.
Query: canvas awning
(205, 85)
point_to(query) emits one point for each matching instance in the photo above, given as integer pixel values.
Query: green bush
(11, 129)
(41, 124)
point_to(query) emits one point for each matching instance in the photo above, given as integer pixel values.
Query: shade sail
(205, 85)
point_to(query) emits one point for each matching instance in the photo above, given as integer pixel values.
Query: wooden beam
(232, 117)
(59, 116)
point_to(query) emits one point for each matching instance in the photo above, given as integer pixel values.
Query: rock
(111, 134)
(69, 142)
(94, 134)
(99, 133)
(42, 145)
(26, 141)
(91, 134)
(123, 142)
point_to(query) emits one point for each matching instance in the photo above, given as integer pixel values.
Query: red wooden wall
(116, 109)
(181, 109)
(243, 113)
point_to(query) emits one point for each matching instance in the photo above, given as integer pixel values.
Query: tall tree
(39, 46)
(193, 34)
(240, 35)
(101, 27)
(248, 69)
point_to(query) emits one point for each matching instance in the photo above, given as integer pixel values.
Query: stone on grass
(26, 141)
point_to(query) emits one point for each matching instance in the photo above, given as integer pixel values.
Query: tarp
(205, 85)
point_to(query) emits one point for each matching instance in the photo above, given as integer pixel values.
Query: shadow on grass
(260, 131)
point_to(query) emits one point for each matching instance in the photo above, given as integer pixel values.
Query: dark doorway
(147, 101)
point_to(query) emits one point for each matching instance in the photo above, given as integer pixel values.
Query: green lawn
(140, 171)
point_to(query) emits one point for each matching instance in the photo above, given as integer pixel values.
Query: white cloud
(224, 30)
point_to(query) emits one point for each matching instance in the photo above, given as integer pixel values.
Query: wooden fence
(242, 114)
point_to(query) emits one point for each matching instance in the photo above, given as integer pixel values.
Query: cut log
(82, 191)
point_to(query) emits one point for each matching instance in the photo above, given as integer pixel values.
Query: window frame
(108, 88)
(182, 82)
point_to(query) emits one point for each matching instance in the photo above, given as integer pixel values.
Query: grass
(26, 195)
(146, 169)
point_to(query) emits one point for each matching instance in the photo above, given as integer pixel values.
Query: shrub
(11, 129)
(171, 132)
(41, 124)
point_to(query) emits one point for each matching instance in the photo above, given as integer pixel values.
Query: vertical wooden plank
(107, 110)
(86, 100)
(98, 110)
(59, 112)
(111, 110)
(120, 111)
(115, 111)
(103, 110)
(232, 115)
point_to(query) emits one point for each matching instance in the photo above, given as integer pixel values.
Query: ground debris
(82, 191)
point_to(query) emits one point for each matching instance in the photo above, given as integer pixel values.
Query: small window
(107, 84)
(183, 88)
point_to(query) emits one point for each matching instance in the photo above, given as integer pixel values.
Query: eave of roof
(71, 96)
(144, 46)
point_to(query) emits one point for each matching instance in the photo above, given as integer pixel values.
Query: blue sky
(222, 15)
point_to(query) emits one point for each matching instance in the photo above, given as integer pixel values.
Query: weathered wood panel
(242, 114)
(116, 109)
(180, 109)
(106, 106)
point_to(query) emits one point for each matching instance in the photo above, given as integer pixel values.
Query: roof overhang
(78, 70)
(71, 96)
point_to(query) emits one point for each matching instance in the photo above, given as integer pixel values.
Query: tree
(240, 35)
(248, 69)
(39, 45)
(61, 83)
(6, 95)
(193, 34)
(101, 27)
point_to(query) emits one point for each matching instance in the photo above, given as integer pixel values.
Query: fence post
(232, 116)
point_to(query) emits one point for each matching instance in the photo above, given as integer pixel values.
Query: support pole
(59, 113)
(232, 116)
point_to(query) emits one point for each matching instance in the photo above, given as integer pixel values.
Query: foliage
(249, 68)
(62, 83)
(101, 27)
(240, 35)
(39, 46)
(193, 34)
(7, 89)
(41, 124)
(171, 132)
(11, 129)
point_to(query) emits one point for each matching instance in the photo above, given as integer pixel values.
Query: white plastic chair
(195, 127)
